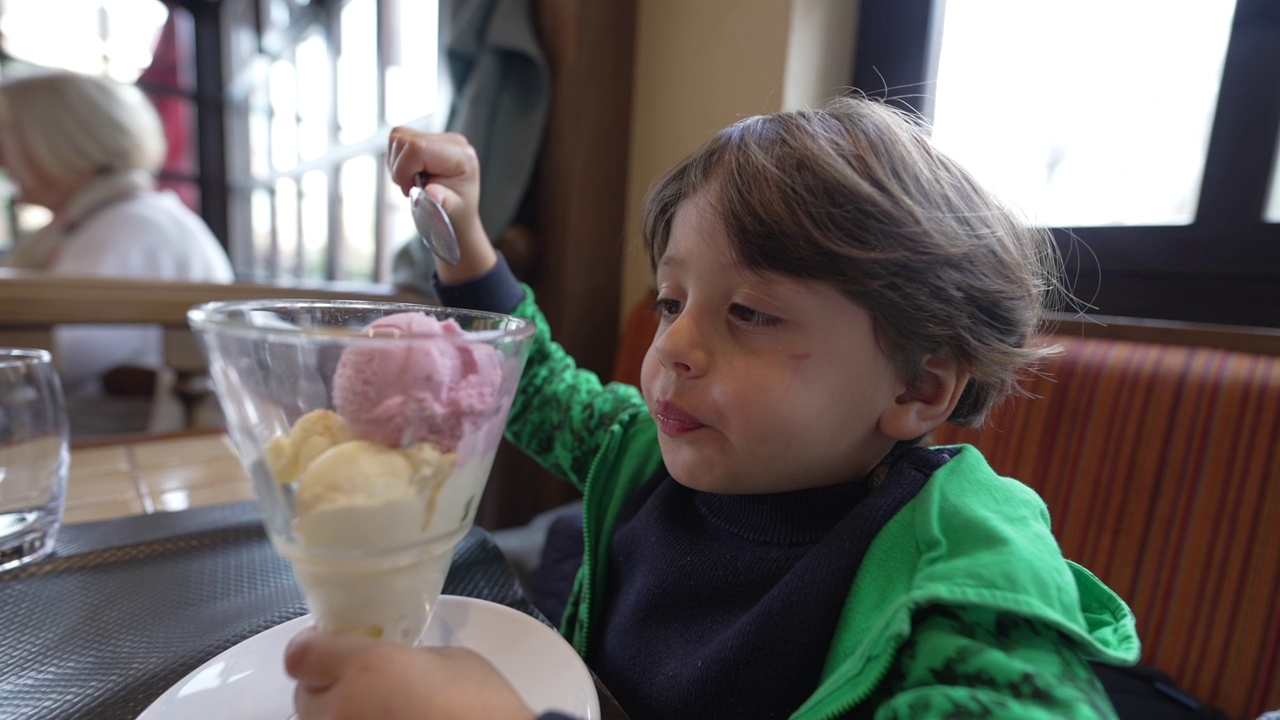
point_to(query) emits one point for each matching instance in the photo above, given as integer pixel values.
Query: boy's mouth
(674, 420)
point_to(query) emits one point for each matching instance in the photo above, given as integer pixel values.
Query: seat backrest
(1157, 451)
(35, 300)
(1160, 465)
(31, 304)
(637, 333)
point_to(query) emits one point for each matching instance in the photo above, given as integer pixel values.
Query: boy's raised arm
(562, 414)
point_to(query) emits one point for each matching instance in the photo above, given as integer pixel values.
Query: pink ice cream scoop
(433, 387)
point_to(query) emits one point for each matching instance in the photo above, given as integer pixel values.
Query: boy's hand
(454, 181)
(344, 677)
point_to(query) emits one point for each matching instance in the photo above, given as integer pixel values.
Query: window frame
(1159, 272)
(239, 183)
(210, 131)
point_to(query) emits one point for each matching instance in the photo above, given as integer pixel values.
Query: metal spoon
(433, 222)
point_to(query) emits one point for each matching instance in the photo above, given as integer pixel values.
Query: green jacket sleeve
(561, 413)
(977, 663)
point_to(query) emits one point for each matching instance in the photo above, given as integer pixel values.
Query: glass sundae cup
(369, 430)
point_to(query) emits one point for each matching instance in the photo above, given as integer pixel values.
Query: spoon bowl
(433, 223)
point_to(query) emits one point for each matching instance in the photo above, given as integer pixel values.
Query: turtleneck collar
(39, 251)
(99, 192)
(796, 517)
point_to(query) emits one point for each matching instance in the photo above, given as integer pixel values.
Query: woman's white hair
(66, 127)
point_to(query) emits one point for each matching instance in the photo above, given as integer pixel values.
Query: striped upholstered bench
(1160, 465)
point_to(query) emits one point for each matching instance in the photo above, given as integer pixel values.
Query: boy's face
(759, 383)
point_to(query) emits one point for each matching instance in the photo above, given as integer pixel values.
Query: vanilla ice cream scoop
(350, 481)
(356, 472)
(311, 435)
(358, 497)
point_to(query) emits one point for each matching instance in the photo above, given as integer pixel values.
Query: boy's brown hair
(855, 195)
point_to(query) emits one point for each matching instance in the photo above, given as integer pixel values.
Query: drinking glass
(33, 455)
(368, 430)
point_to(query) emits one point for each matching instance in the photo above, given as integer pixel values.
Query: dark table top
(126, 608)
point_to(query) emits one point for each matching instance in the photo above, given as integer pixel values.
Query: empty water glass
(33, 455)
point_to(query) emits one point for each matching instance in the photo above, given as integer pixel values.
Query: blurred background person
(88, 149)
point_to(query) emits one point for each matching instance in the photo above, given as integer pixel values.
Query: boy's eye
(665, 307)
(752, 317)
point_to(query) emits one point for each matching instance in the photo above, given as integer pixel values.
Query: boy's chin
(703, 486)
(690, 475)
(716, 481)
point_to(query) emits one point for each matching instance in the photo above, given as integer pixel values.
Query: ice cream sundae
(371, 497)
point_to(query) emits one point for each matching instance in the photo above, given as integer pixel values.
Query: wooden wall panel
(579, 199)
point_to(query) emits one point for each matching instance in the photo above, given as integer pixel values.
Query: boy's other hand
(453, 180)
(344, 677)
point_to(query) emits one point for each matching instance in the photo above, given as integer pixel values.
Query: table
(146, 474)
(127, 607)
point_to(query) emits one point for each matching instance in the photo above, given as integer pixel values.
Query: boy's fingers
(443, 155)
(447, 198)
(317, 659)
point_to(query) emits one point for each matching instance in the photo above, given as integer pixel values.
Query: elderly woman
(87, 148)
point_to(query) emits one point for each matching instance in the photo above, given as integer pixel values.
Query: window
(312, 90)
(1084, 164)
(1143, 131)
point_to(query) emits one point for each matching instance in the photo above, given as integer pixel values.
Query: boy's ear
(927, 404)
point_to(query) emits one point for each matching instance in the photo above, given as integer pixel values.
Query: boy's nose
(680, 347)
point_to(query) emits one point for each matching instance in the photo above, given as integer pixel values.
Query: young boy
(765, 535)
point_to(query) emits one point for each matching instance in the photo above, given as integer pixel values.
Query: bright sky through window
(111, 37)
(1083, 112)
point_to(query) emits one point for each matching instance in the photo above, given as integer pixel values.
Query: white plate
(248, 681)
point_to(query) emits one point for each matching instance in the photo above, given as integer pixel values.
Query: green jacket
(963, 605)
